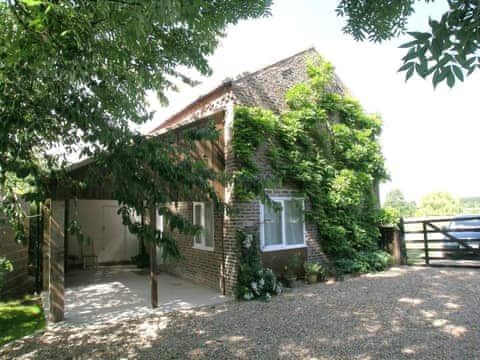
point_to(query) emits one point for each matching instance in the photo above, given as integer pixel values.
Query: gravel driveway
(404, 313)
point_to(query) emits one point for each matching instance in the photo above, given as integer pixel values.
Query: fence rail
(434, 241)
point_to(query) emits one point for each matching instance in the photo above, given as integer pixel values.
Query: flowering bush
(254, 281)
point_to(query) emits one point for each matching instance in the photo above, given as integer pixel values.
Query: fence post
(46, 245)
(403, 245)
(56, 290)
(425, 242)
(39, 249)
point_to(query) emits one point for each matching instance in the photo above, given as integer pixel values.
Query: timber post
(403, 246)
(66, 234)
(46, 245)
(151, 218)
(425, 242)
(56, 289)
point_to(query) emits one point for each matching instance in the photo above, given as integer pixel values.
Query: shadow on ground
(399, 314)
(115, 294)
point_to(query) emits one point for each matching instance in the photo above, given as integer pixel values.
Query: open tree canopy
(73, 74)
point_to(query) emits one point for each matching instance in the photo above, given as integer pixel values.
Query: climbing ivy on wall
(326, 146)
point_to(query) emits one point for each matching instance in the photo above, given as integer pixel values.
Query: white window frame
(283, 245)
(202, 245)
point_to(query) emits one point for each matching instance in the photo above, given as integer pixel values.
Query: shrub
(5, 266)
(388, 216)
(312, 268)
(363, 262)
(254, 281)
(141, 260)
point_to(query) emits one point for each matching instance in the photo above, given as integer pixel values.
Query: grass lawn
(19, 318)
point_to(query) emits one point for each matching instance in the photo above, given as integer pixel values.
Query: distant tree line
(434, 204)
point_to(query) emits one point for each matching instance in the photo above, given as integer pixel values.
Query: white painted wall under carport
(98, 219)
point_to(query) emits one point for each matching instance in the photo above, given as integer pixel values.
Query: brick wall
(265, 88)
(246, 216)
(200, 266)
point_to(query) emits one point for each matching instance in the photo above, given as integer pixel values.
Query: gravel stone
(403, 313)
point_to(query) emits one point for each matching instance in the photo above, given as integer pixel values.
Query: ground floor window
(203, 216)
(283, 229)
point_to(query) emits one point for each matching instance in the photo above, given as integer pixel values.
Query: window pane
(209, 224)
(272, 226)
(197, 220)
(293, 222)
(159, 221)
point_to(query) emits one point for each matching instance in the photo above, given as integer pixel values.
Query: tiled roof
(264, 88)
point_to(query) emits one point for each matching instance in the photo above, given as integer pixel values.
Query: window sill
(201, 247)
(283, 247)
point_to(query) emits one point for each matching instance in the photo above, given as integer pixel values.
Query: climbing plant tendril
(327, 147)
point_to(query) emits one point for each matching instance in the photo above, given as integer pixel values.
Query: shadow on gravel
(402, 313)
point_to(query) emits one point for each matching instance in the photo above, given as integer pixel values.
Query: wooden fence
(441, 241)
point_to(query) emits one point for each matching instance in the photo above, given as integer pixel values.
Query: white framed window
(284, 229)
(203, 216)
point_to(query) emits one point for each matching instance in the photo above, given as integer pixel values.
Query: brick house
(211, 258)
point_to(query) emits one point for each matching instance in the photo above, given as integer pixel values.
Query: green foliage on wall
(326, 146)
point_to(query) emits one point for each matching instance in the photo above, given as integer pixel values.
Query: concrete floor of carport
(123, 292)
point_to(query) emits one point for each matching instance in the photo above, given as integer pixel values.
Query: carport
(104, 292)
(117, 293)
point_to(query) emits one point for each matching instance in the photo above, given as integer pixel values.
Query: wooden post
(38, 249)
(46, 245)
(151, 218)
(403, 245)
(57, 255)
(425, 243)
(66, 235)
(153, 274)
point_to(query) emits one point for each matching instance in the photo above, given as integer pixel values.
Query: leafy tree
(74, 75)
(396, 200)
(448, 51)
(471, 205)
(438, 204)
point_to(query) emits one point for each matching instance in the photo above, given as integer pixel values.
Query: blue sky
(430, 136)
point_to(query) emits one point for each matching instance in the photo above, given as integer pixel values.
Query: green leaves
(74, 76)
(32, 3)
(374, 20)
(449, 50)
(458, 72)
(325, 146)
(420, 36)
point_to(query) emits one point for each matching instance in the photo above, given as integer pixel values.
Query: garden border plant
(254, 281)
(325, 146)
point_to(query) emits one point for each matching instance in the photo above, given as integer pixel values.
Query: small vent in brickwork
(287, 73)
